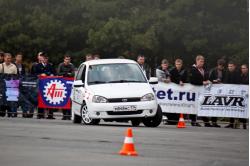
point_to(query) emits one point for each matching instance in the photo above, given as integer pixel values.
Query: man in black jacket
(199, 76)
(66, 69)
(178, 75)
(19, 64)
(232, 77)
(244, 74)
(44, 68)
(245, 81)
(40, 58)
(216, 76)
(144, 67)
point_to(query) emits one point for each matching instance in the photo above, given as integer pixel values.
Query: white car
(114, 90)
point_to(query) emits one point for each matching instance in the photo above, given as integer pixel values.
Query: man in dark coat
(232, 77)
(178, 75)
(44, 68)
(66, 69)
(245, 81)
(244, 74)
(199, 76)
(144, 67)
(216, 76)
(40, 58)
(19, 64)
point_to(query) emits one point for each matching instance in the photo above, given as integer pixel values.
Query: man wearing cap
(44, 68)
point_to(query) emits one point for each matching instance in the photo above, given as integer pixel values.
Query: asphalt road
(32, 142)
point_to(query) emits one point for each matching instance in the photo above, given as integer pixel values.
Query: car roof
(108, 61)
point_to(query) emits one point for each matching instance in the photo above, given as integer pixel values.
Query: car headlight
(99, 99)
(148, 97)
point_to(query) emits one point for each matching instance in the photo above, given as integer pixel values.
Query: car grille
(124, 112)
(120, 100)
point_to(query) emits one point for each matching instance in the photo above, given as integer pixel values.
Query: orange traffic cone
(181, 123)
(128, 148)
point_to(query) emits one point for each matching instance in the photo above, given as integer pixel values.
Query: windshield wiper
(122, 81)
(97, 82)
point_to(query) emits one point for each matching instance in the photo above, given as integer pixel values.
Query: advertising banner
(174, 98)
(54, 92)
(224, 100)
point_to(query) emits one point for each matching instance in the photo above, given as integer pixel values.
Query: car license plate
(125, 108)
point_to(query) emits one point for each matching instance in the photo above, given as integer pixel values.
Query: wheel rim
(85, 115)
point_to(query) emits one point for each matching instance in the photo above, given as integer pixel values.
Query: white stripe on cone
(181, 120)
(128, 140)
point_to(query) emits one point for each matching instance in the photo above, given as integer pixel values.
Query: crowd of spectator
(223, 72)
(197, 74)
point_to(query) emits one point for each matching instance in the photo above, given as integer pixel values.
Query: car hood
(120, 90)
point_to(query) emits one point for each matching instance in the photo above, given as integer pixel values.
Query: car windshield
(115, 73)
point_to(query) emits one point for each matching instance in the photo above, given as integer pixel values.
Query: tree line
(156, 28)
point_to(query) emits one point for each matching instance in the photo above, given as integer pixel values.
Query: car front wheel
(155, 120)
(85, 117)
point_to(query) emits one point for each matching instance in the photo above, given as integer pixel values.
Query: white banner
(217, 100)
(174, 98)
(224, 100)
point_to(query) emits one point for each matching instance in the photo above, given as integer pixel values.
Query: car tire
(135, 122)
(153, 121)
(85, 117)
(77, 119)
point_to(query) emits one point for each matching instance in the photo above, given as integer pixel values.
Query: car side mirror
(153, 80)
(78, 83)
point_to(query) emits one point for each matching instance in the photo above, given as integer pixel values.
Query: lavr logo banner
(224, 100)
(54, 92)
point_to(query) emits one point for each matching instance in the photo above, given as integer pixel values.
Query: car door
(78, 89)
